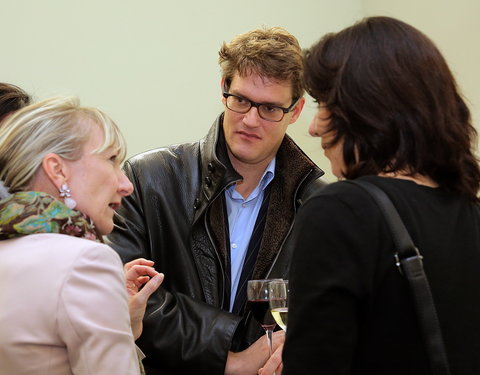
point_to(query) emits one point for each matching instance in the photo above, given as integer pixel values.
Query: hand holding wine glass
(279, 302)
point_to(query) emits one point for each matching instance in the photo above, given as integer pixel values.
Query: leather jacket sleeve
(182, 333)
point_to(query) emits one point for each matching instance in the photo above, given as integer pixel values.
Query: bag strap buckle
(398, 260)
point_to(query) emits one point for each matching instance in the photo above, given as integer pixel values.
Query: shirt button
(244, 205)
(234, 245)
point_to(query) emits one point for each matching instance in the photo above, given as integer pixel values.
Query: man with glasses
(215, 213)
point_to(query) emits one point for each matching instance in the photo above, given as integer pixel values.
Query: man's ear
(55, 169)
(222, 87)
(297, 110)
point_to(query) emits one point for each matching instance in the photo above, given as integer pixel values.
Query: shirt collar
(267, 177)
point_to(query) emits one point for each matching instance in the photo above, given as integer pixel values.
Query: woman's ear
(55, 169)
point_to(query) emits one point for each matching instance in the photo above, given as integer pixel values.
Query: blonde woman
(64, 308)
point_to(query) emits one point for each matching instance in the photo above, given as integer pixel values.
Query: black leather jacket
(174, 218)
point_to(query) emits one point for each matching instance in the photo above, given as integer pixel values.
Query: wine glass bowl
(278, 291)
(258, 300)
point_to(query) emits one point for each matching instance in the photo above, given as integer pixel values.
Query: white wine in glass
(279, 302)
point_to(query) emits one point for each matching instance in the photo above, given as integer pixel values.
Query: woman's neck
(419, 179)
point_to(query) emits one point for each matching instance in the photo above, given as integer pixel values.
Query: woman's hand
(141, 281)
(251, 360)
(274, 365)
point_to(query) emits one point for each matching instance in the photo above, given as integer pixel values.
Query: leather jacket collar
(216, 170)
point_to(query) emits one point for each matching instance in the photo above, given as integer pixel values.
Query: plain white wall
(152, 64)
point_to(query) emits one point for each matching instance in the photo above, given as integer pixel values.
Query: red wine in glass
(261, 312)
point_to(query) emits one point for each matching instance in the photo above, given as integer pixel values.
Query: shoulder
(341, 191)
(311, 188)
(349, 191)
(348, 197)
(98, 259)
(62, 254)
(165, 155)
(90, 251)
(162, 166)
(61, 243)
(341, 204)
(93, 263)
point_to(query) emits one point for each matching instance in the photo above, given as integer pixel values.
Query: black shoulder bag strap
(409, 262)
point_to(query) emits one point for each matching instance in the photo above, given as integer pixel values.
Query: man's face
(250, 139)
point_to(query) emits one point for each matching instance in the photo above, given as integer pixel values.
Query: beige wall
(454, 26)
(152, 64)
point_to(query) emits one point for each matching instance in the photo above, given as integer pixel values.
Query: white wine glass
(258, 294)
(279, 302)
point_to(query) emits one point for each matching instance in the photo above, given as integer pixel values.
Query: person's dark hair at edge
(12, 98)
(395, 103)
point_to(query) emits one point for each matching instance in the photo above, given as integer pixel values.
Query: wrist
(232, 365)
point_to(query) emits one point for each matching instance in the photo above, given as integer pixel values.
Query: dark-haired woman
(389, 113)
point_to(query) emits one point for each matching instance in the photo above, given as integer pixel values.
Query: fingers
(280, 334)
(137, 302)
(137, 271)
(274, 364)
(138, 261)
(150, 287)
(278, 339)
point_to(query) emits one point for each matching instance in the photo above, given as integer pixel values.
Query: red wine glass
(258, 294)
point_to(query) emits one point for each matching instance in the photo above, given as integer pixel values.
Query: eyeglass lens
(265, 111)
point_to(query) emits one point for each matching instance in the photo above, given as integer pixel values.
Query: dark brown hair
(271, 53)
(394, 103)
(12, 98)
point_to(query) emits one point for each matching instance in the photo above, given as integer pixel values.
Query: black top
(351, 311)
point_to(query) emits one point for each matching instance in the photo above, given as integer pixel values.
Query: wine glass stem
(270, 341)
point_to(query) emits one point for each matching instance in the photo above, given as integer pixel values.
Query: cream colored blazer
(63, 308)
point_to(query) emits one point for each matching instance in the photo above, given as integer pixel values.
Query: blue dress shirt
(242, 214)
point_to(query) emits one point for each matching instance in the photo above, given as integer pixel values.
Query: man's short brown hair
(271, 53)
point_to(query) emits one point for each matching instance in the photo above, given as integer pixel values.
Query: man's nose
(252, 117)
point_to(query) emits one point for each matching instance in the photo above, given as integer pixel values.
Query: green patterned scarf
(30, 212)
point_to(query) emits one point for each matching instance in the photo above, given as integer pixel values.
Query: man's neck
(251, 173)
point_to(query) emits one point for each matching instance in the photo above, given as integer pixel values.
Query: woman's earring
(65, 194)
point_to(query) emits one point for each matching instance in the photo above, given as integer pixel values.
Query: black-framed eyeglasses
(269, 112)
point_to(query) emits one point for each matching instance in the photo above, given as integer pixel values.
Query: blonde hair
(270, 53)
(57, 125)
